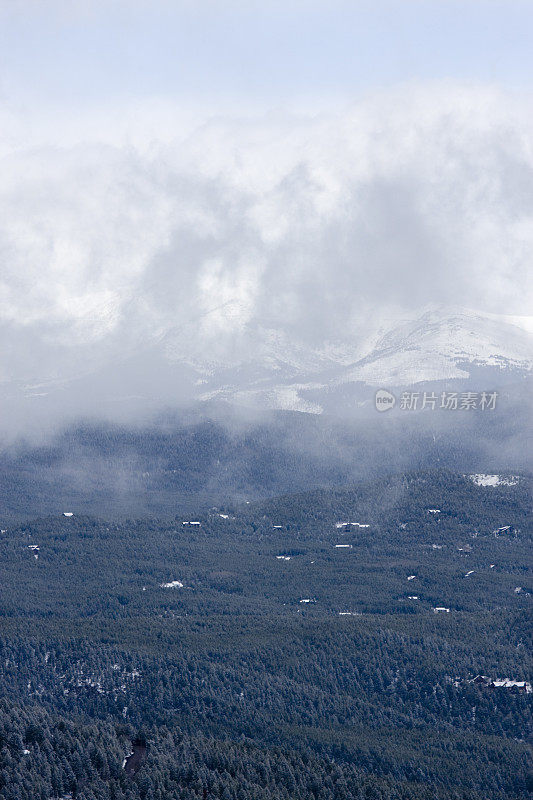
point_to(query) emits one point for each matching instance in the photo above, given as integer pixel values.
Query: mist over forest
(266, 402)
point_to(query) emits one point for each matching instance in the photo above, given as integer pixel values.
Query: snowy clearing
(482, 479)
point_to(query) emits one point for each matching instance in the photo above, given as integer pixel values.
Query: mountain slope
(439, 345)
(276, 372)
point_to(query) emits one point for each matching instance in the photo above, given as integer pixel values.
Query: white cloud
(303, 224)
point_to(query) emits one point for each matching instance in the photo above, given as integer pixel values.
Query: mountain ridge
(277, 372)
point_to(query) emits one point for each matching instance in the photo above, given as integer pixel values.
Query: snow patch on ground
(481, 479)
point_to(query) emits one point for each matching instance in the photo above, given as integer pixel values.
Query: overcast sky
(77, 52)
(215, 169)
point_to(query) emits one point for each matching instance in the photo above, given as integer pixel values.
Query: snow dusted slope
(440, 344)
(275, 371)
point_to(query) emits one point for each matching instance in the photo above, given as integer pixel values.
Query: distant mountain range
(455, 347)
(216, 446)
(439, 345)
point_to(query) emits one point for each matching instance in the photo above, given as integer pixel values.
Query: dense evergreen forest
(173, 464)
(284, 649)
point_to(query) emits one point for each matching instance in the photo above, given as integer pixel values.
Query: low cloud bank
(121, 260)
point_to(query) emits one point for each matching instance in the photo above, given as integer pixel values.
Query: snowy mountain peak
(276, 372)
(438, 344)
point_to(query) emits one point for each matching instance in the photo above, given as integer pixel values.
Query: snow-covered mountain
(276, 372)
(438, 345)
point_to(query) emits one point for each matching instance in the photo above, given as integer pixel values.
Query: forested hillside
(183, 462)
(286, 649)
